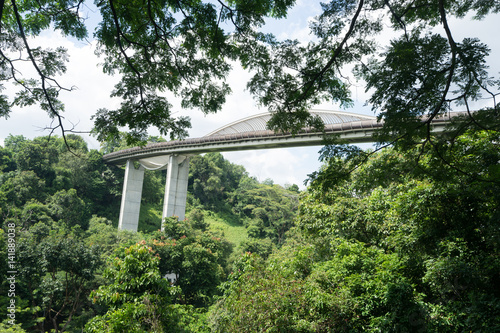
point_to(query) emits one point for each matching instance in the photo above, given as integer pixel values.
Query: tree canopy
(394, 246)
(76, 271)
(189, 47)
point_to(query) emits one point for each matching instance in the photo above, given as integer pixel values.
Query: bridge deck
(174, 156)
(353, 132)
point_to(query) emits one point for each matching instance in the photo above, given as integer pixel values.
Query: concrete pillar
(174, 203)
(131, 197)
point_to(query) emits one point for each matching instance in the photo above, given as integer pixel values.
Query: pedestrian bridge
(245, 134)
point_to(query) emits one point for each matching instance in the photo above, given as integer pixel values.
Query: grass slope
(228, 224)
(233, 230)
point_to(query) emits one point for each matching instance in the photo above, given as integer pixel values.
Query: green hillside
(382, 246)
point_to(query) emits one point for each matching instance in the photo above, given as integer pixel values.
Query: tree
(43, 169)
(187, 48)
(270, 207)
(137, 297)
(56, 273)
(166, 45)
(13, 142)
(6, 162)
(402, 243)
(66, 207)
(197, 258)
(23, 186)
(212, 179)
(38, 156)
(434, 216)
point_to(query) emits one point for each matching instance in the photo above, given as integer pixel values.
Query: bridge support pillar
(131, 197)
(174, 203)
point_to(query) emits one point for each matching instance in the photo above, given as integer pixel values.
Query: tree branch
(336, 53)
(119, 34)
(43, 77)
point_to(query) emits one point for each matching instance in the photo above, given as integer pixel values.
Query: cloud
(283, 166)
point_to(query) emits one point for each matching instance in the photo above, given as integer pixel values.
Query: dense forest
(404, 238)
(402, 242)
(64, 205)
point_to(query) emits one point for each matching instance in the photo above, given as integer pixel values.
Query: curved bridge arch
(250, 133)
(258, 122)
(245, 134)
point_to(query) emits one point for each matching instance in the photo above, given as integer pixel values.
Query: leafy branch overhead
(188, 48)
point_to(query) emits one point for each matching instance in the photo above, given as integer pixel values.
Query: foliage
(256, 301)
(65, 210)
(188, 48)
(197, 258)
(49, 194)
(228, 225)
(137, 297)
(8, 328)
(407, 241)
(266, 210)
(55, 273)
(270, 207)
(212, 179)
(422, 71)
(402, 243)
(262, 247)
(6, 161)
(69, 184)
(349, 292)
(156, 46)
(107, 238)
(197, 219)
(20, 187)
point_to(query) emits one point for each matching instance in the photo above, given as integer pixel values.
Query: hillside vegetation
(402, 242)
(65, 204)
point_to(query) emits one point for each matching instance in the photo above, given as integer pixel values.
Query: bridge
(245, 134)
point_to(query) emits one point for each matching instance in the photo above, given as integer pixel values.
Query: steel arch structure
(258, 122)
(251, 133)
(245, 134)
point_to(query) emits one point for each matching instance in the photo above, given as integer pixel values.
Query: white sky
(284, 166)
